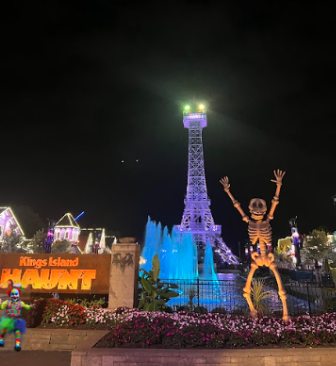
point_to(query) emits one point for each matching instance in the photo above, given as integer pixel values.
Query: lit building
(95, 240)
(67, 229)
(83, 240)
(8, 223)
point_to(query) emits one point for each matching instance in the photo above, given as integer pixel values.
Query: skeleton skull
(257, 208)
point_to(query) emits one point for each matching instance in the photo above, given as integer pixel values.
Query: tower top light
(193, 115)
(200, 108)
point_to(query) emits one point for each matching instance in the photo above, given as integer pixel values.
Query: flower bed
(183, 330)
(64, 314)
(134, 328)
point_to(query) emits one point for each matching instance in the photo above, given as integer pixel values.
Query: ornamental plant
(185, 330)
(62, 313)
(135, 328)
(259, 296)
(154, 293)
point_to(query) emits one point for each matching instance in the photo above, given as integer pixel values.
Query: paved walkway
(35, 358)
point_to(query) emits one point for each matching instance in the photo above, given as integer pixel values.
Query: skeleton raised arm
(279, 174)
(226, 185)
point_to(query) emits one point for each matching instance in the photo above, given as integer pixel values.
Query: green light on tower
(186, 109)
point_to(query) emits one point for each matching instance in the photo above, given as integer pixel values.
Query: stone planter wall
(38, 339)
(84, 356)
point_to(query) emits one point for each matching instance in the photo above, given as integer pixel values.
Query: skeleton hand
(278, 176)
(225, 183)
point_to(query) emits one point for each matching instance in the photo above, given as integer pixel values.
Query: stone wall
(124, 274)
(38, 339)
(203, 357)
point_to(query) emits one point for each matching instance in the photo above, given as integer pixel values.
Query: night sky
(87, 84)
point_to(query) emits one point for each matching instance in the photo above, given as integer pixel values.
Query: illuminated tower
(197, 217)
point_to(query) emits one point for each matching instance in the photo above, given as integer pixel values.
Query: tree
(28, 219)
(61, 246)
(316, 246)
(13, 243)
(36, 245)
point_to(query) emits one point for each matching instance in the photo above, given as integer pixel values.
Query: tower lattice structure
(197, 218)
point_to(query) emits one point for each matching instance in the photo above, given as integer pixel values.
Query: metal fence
(303, 297)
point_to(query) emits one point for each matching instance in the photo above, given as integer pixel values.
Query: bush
(154, 293)
(35, 316)
(201, 310)
(182, 308)
(86, 303)
(218, 310)
(168, 309)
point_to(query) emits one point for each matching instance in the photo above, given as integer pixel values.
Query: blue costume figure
(12, 321)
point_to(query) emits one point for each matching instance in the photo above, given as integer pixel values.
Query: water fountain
(152, 243)
(177, 253)
(208, 268)
(179, 264)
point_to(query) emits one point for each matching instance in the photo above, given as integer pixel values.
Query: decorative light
(201, 106)
(187, 107)
(80, 215)
(142, 260)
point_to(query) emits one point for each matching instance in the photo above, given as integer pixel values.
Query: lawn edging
(37, 339)
(85, 355)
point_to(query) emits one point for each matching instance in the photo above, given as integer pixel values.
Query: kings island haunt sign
(63, 273)
(115, 274)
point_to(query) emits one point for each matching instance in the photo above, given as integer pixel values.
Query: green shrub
(154, 294)
(201, 310)
(219, 310)
(86, 303)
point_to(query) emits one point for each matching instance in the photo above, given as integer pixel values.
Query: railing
(302, 297)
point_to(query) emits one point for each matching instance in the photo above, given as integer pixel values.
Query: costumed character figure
(12, 322)
(260, 231)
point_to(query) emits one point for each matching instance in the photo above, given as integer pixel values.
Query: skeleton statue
(260, 230)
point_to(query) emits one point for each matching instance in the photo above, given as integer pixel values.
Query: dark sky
(86, 84)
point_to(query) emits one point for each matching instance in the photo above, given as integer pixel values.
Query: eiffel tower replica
(197, 218)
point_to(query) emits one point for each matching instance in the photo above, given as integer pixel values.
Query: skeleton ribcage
(261, 231)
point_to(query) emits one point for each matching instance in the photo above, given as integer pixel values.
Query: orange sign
(87, 273)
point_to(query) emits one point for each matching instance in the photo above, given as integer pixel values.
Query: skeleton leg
(247, 290)
(282, 292)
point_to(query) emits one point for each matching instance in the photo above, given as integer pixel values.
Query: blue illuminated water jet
(208, 268)
(177, 253)
(152, 245)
